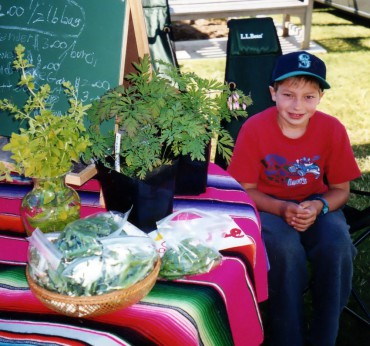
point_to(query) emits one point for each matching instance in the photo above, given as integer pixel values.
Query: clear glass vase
(50, 205)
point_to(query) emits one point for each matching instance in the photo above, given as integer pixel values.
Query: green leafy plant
(49, 144)
(160, 116)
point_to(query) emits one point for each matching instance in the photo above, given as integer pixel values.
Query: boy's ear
(273, 93)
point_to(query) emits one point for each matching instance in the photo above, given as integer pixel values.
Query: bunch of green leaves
(91, 256)
(49, 144)
(204, 107)
(188, 257)
(160, 116)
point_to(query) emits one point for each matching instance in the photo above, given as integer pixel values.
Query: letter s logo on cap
(304, 61)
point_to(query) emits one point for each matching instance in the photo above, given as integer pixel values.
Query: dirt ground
(200, 29)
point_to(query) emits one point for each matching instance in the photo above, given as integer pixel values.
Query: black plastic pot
(191, 178)
(151, 199)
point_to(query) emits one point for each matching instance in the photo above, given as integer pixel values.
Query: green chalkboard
(81, 41)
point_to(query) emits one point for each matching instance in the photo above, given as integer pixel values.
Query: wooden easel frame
(136, 39)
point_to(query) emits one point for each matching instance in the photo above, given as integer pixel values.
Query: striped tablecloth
(217, 308)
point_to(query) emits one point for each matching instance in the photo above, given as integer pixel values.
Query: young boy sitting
(296, 164)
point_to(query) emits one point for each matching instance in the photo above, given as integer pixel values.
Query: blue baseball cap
(298, 64)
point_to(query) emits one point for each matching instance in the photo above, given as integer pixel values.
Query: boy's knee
(290, 255)
(342, 249)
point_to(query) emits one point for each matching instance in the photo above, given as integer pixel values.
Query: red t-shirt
(290, 168)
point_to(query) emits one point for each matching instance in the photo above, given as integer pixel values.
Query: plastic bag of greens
(189, 242)
(92, 256)
(124, 261)
(81, 238)
(188, 256)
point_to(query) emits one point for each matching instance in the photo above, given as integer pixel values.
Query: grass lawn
(347, 41)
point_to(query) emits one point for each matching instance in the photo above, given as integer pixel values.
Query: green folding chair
(359, 222)
(252, 48)
(159, 31)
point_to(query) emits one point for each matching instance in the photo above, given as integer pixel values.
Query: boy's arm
(263, 202)
(337, 196)
(299, 216)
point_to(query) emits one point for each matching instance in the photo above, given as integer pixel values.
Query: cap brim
(323, 83)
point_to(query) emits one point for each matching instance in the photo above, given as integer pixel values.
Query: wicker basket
(94, 305)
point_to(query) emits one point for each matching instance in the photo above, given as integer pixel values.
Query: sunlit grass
(206, 68)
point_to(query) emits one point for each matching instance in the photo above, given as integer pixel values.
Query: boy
(296, 164)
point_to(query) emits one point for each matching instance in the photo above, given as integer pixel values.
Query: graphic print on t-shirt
(298, 172)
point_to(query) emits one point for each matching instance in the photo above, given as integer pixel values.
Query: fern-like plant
(161, 116)
(48, 144)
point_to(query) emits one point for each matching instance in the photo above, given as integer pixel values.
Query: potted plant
(44, 150)
(160, 117)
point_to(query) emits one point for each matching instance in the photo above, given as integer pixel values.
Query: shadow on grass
(351, 17)
(343, 44)
(352, 330)
(361, 151)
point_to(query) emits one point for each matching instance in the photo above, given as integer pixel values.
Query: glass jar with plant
(44, 150)
(159, 117)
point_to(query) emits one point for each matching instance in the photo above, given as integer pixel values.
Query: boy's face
(296, 101)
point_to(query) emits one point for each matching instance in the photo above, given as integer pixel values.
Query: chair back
(252, 48)
(159, 31)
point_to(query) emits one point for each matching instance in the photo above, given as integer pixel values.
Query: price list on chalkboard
(81, 41)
